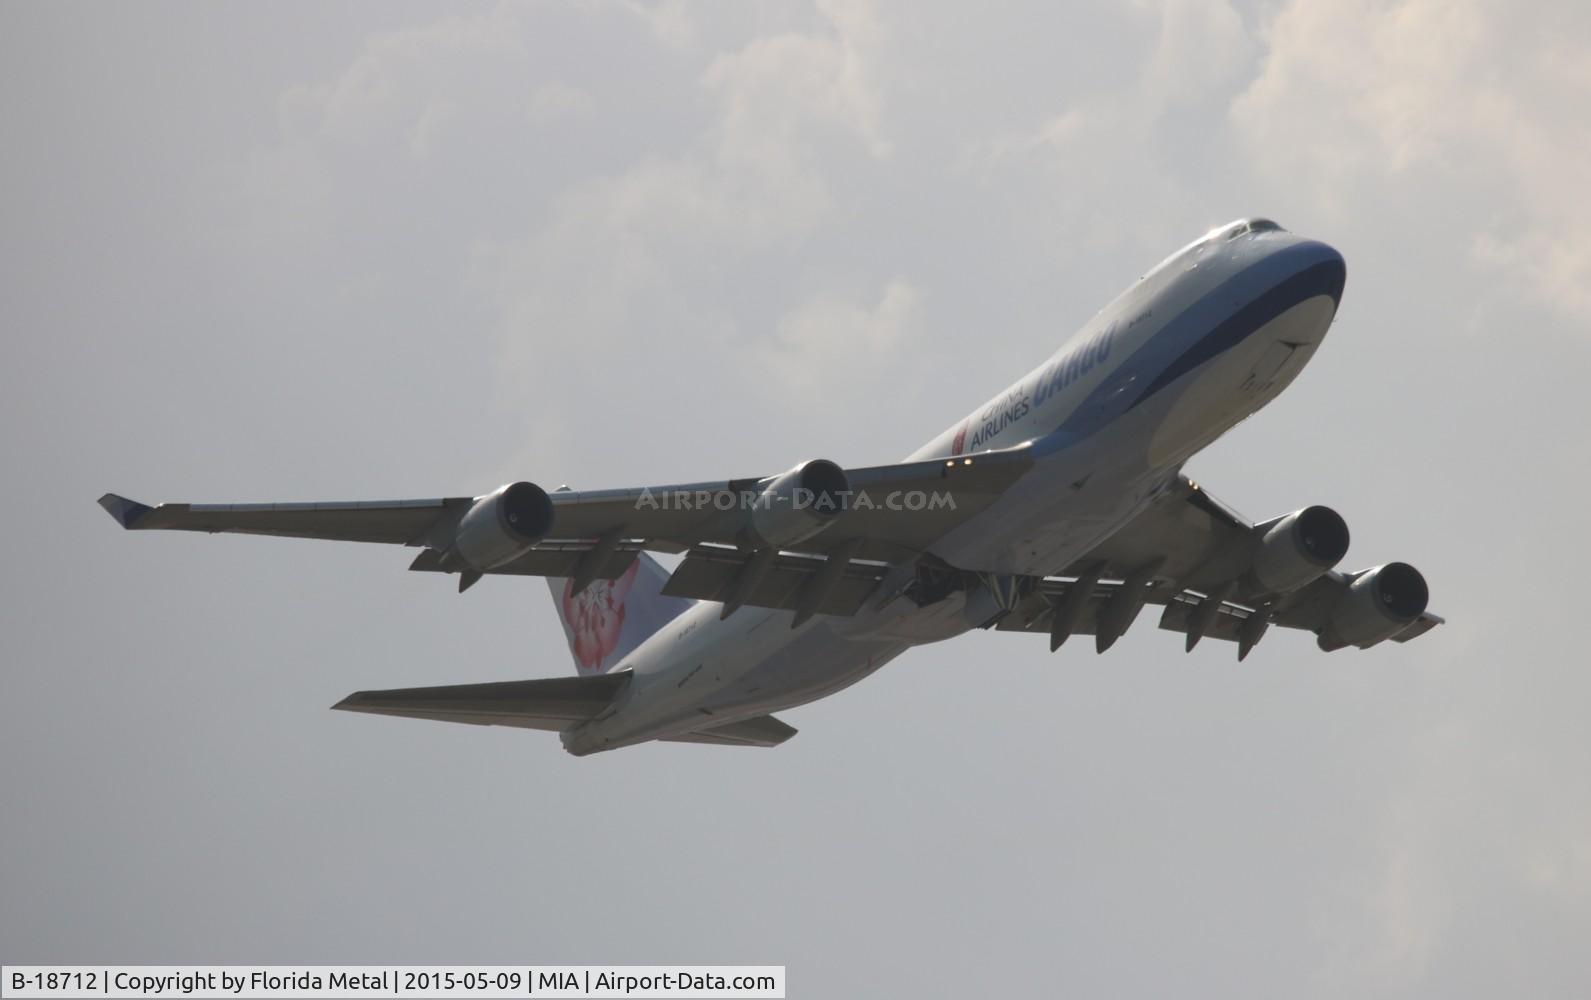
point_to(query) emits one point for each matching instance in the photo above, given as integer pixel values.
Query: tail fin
(610, 618)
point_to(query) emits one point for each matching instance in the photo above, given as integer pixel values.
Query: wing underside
(1225, 620)
(711, 573)
(596, 534)
(1186, 551)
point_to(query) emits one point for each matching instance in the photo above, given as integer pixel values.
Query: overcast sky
(358, 251)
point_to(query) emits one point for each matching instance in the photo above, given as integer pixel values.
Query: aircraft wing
(1192, 555)
(594, 534)
(396, 522)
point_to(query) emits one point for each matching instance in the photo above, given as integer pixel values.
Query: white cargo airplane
(1058, 507)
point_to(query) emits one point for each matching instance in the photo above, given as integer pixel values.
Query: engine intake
(1379, 604)
(502, 525)
(799, 504)
(1297, 549)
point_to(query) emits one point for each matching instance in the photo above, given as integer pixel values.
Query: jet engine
(502, 525)
(1296, 549)
(799, 504)
(1379, 604)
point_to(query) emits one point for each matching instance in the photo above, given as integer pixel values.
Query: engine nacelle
(502, 525)
(1296, 549)
(1379, 604)
(799, 504)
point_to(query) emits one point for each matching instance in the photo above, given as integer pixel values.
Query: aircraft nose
(1320, 252)
(1317, 264)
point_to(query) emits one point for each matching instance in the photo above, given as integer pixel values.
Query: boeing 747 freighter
(1059, 507)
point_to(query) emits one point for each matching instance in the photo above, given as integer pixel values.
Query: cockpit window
(1246, 226)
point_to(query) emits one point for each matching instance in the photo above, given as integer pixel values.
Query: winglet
(126, 512)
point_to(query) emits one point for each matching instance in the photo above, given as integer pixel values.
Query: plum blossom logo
(595, 617)
(961, 439)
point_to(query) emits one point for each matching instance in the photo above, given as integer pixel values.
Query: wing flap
(552, 703)
(1035, 613)
(1226, 624)
(555, 559)
(709, 572)
(1308, 609)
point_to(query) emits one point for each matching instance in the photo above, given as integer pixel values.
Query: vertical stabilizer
(609, 618)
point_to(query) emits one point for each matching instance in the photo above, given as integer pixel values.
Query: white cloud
(1201, 49)
(619, 251)
(669, 20)
(1408, 922)
(1105, 149)
(1477, 103)
(401, 76)
(827, 341)
(557, 99)
(468, 126)
(780, 85)
(427, 130)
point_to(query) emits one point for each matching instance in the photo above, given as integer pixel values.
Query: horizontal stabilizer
(552, 703)
(762, 731)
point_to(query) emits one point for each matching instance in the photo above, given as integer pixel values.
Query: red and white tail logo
(609, 618)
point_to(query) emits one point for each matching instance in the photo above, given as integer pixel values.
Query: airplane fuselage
(1195, 346)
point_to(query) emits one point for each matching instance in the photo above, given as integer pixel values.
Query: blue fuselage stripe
(1206, 329)
(1325, 278)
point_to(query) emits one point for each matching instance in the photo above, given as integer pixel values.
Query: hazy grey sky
(259, 252)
